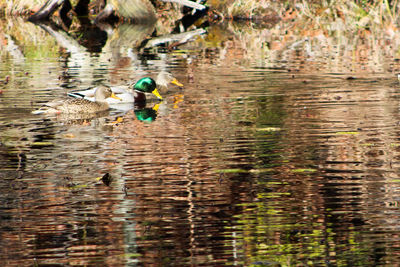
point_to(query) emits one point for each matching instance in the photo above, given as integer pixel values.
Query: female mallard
(74, 106)
(138, 92)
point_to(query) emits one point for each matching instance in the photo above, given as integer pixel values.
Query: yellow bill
(176, 82)
(115, 97)
(156, 107)
(157, 94)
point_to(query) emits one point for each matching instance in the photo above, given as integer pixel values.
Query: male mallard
(137, 93)
(74, 106)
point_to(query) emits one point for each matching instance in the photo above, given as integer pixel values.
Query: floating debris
(41, 144)
(106, 179)
(269, 129)
(125, 190)
(77, 186)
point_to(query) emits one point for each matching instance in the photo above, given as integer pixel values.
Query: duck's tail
(76, 95)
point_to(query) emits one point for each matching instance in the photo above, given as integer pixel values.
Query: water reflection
(246, 164)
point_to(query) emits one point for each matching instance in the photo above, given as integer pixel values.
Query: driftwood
(136, 10)
(48, 9)
(129, 35)
(187, 3)
(177, 39)
(64, 39)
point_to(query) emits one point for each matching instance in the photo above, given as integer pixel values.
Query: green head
(147, 85)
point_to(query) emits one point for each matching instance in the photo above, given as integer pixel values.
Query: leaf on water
(41, 144)
(78, 186)
(345, 133)
(303, 170)
(69, 135)
(106, 179)
(132, 255)
(269, 129)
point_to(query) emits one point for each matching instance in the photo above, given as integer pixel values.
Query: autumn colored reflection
(272, 153)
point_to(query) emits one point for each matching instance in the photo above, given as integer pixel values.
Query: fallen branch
(187, 3)
(179, 38)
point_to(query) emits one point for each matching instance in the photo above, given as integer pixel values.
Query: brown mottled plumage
(70, 106)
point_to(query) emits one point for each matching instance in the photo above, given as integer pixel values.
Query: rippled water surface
(249, 164)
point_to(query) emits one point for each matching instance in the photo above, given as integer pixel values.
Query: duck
(165, 78)
(79, 105)
(138, 92)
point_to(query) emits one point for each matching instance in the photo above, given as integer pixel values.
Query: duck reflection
(99, 118)
(147, 114)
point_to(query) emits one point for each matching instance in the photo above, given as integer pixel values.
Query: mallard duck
(165, 78)
(138, 92)
(73, 106)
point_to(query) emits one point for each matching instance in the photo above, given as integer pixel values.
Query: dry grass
(32, 41)
(331, 36)
(247, 9)
(340, 34)
(19, 7)
(22, 7)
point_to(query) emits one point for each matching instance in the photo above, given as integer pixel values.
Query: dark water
(248, 164)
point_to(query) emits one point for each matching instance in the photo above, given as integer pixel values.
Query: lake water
(269, 157)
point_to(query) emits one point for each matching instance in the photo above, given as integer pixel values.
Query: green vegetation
(31, 40)
(267, 234)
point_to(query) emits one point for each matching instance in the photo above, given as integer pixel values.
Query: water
(254, 162)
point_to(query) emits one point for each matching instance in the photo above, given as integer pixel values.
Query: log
(136, 10)
(187, 3)
(46, 10)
